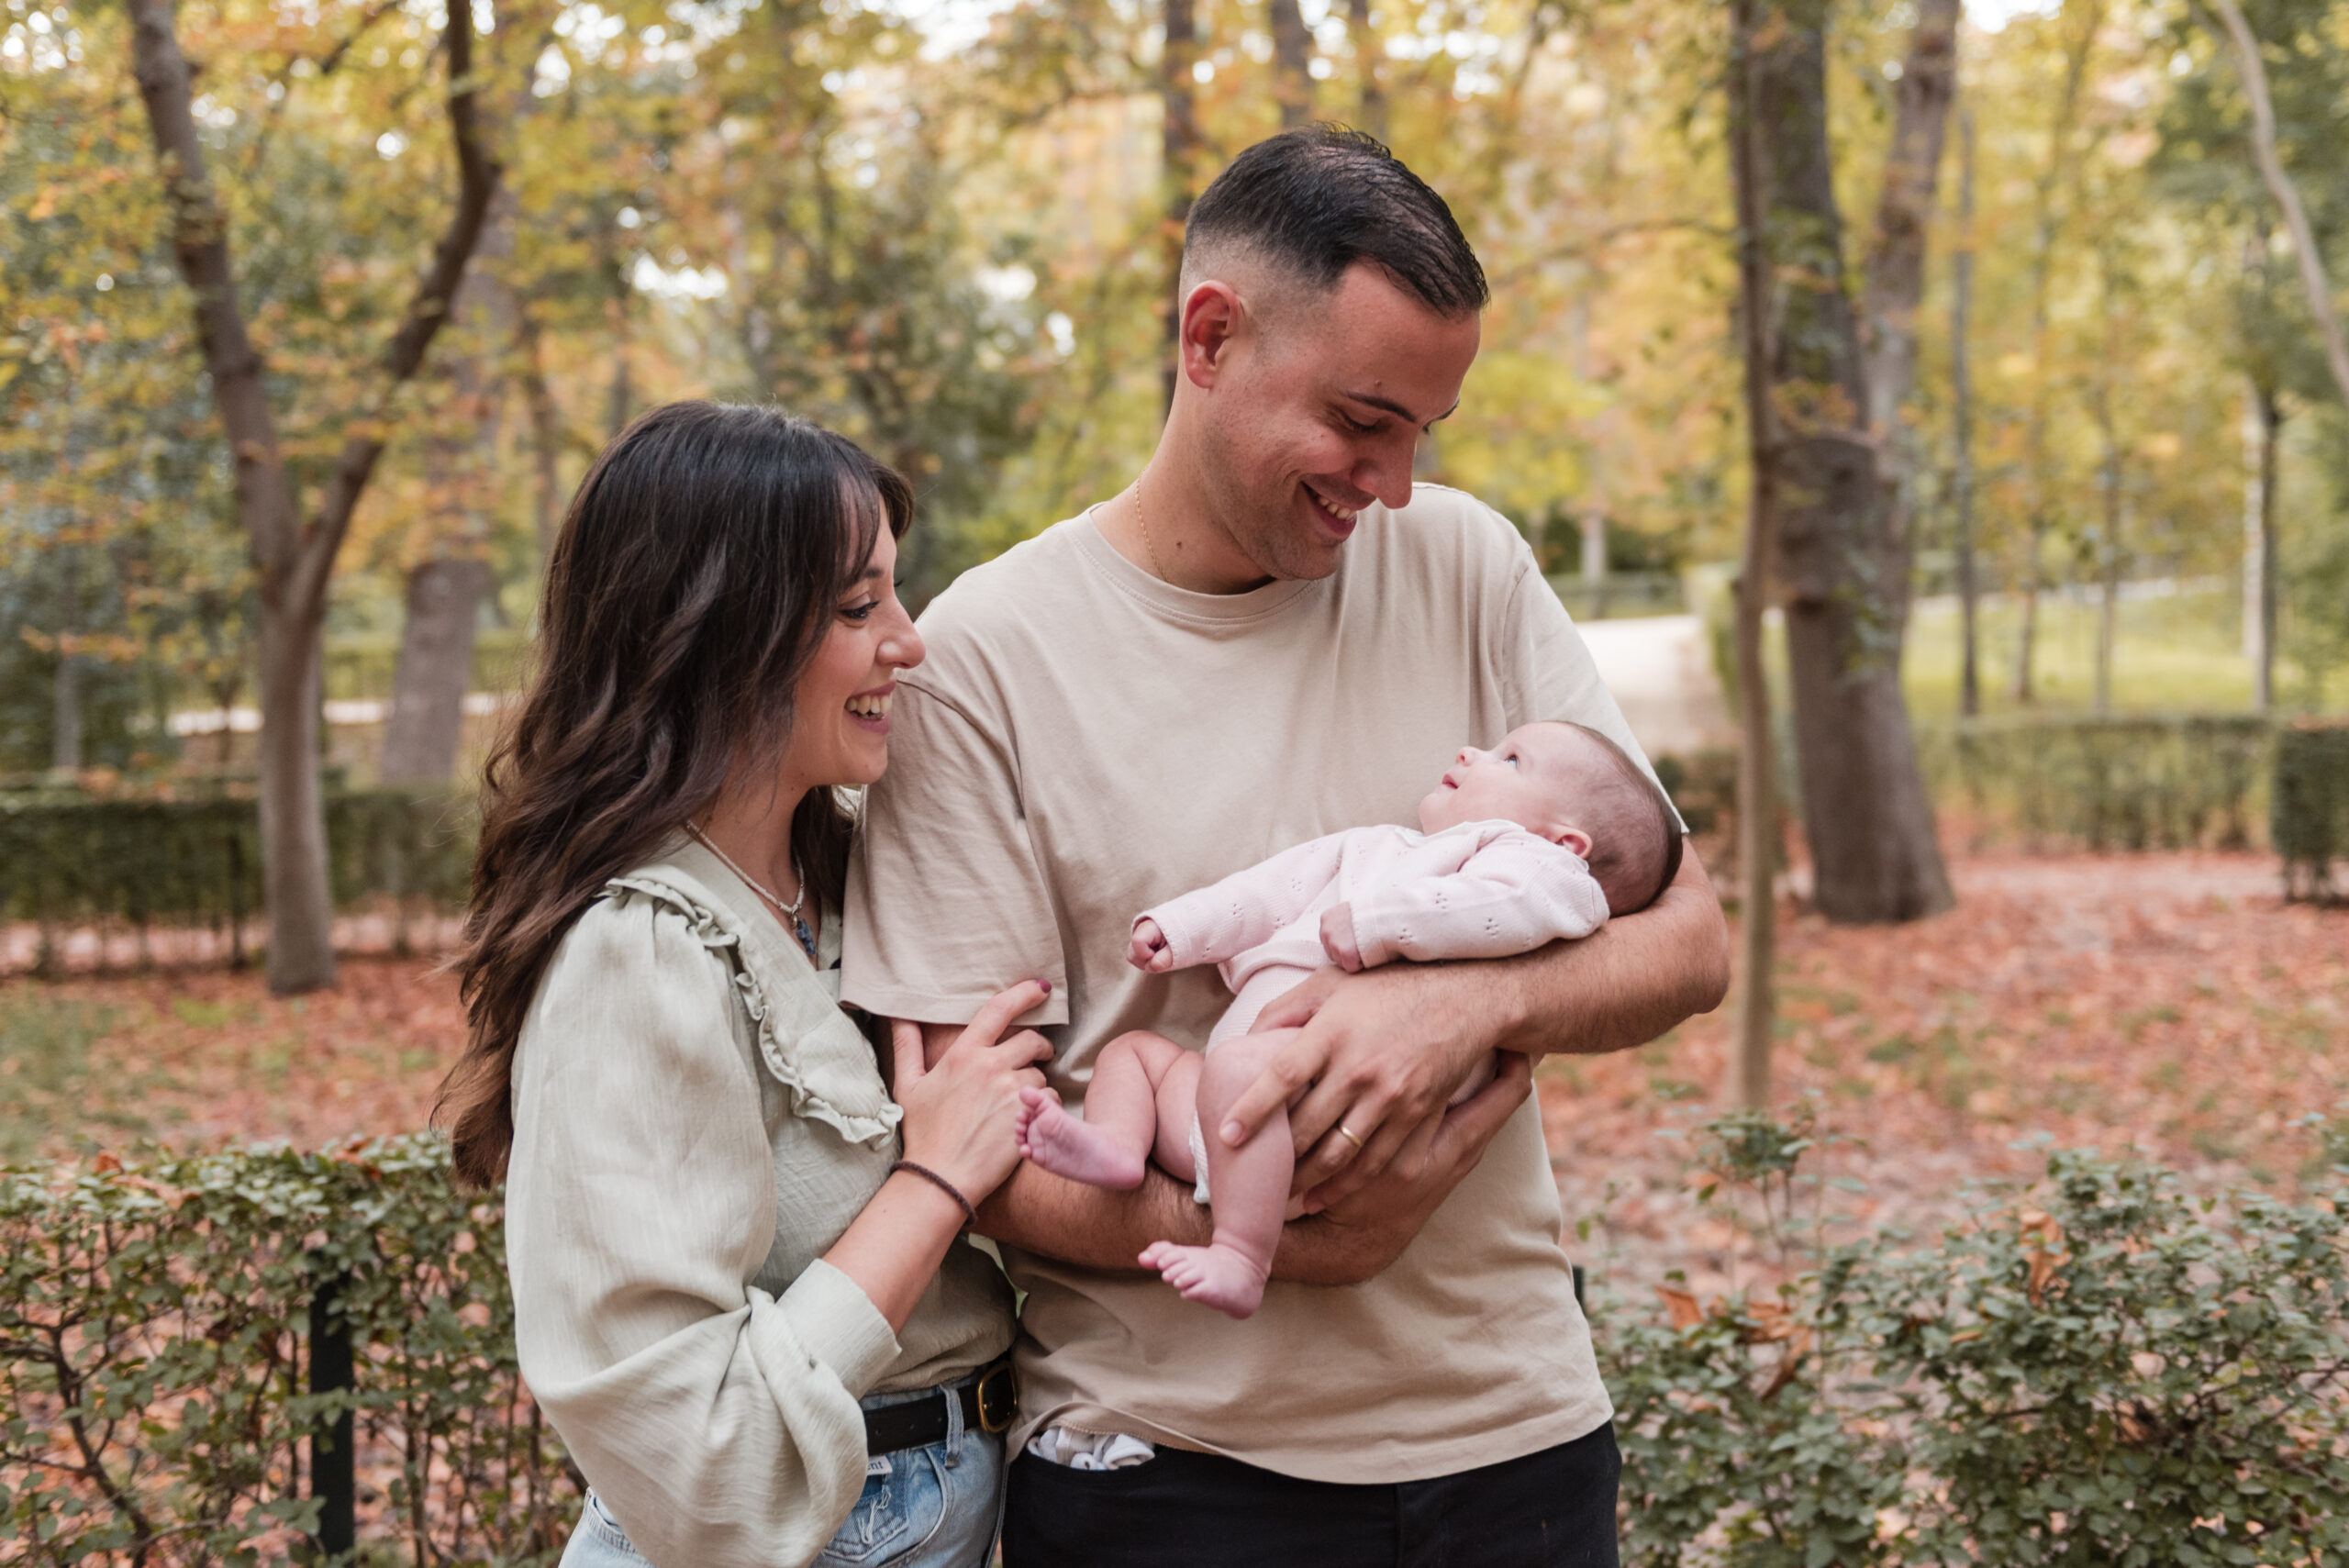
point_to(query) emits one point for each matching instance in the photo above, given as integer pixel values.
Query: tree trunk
(1179, 142)
(2263, 421)
(2045, 230)
(1894, 279)
(2109, 482)
(1961, 377)
(2107, 553)
(1757, 804)
(293, 558)
(2288, 196)
(427, 720)
(1292, 64)
(1842, 569)
(1370, 97)
(65, 711)
(1594, 560)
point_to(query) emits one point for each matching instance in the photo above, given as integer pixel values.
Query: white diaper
(1199, 1163)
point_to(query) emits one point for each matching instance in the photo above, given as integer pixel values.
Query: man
(1274, 635)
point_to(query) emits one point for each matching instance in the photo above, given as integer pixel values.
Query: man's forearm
(1622, 986)
(1094, 1228)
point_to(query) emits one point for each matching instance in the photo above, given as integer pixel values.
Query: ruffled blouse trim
(805, 1040)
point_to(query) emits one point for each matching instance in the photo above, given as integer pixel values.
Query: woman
(724, 1237)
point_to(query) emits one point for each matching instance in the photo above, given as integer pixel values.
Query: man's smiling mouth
(1342, 513)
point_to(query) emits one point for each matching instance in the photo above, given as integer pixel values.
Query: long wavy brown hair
(698, 571)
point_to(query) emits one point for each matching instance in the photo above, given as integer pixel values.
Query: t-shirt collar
(1182, 603)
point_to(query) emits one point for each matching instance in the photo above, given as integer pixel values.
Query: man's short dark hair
(1316, 200)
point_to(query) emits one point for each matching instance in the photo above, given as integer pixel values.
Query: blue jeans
(937, 1508)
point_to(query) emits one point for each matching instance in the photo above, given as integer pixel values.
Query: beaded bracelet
(948, 1188)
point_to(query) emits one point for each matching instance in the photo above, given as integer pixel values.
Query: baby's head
(1575, 787)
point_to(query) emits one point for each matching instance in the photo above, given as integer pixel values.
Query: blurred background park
(315, 312)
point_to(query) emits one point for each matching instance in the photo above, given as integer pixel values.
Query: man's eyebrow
(1389, 406)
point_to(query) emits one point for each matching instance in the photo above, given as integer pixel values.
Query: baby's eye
(1510, 758)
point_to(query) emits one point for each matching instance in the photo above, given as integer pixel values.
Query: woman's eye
(862, 612)
(1357, 426)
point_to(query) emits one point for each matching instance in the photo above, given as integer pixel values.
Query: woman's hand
(958, 1112)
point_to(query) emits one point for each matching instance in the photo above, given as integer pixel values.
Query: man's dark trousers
(1551, 1509)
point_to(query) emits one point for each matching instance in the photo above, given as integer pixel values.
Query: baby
(1543, 837)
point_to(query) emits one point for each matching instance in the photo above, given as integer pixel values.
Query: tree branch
(477, 177)
(2287, 194)
(199, 233)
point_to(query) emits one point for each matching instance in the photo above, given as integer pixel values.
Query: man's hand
(1376, 1054)
(1356, 1237)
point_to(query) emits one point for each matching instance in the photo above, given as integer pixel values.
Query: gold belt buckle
(998, 1397)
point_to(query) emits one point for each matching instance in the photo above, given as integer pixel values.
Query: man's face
(1319, 412)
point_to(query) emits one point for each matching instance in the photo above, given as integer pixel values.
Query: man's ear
(1212, 319)
(1575, 840)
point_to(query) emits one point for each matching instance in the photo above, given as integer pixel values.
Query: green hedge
(2308, 810)
(2095, 1372)
(72, 860)
(2135, 782)
(2098, 1372)
(153, 1362)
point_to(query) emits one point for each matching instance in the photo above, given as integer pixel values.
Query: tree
(1757, 806)
(294, 552)
(1844, 565)
(1961, 380)
(1292, 63)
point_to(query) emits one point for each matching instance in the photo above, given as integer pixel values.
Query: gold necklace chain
(1141, 512)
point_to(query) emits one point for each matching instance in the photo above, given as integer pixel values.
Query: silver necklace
(790, 911)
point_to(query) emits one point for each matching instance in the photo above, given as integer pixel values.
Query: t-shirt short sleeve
(947, 905)
(1548, 672)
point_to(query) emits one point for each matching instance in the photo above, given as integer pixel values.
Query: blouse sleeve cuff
(839, 1325)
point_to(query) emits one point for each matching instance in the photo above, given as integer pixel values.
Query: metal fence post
(333, 1476)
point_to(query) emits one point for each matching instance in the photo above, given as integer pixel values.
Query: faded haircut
(1635, 846)
(1313, 201)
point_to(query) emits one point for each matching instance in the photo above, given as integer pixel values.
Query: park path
(1660, 671)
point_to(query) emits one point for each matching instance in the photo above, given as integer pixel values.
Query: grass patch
(45, 1078)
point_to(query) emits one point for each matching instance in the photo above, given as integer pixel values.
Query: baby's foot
(1221, 1277)
(1060, 1143)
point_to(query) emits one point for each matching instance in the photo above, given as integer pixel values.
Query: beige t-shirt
(1086, 740)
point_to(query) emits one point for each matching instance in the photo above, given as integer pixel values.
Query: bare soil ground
(2169, 1004)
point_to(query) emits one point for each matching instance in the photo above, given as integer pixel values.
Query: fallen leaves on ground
(2172, 1004)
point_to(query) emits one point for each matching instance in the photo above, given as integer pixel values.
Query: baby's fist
(1149, 949)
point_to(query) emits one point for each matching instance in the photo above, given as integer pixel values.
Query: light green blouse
(696, 1122)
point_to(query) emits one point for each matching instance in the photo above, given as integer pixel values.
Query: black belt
(988, 1403)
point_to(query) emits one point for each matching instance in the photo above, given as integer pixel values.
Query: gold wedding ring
(1348, 1134)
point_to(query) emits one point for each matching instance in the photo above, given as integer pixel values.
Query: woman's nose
(902, 649)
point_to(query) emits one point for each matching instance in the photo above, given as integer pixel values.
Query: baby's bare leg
(1109, 1147)
(1249, 1184)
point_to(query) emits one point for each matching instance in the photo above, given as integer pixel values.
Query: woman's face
(839, 729)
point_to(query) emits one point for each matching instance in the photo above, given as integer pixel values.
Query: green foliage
(2308, 810)
(2135, 782)
(152, 1359)
(2096, 1371)
(72, 859)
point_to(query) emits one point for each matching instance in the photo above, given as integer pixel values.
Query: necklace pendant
(807, 938)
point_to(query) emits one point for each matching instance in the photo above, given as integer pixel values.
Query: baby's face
(1527, 779)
